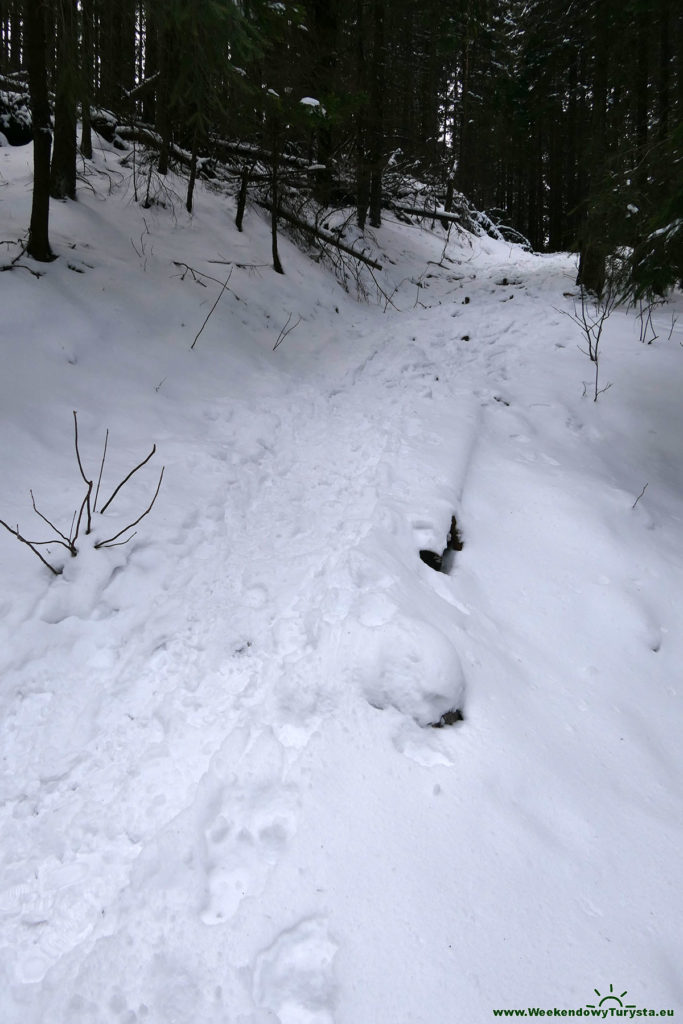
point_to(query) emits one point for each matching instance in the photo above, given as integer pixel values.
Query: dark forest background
(560, 121)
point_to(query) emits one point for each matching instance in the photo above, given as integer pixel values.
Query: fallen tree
(433, 214)
(324, 236)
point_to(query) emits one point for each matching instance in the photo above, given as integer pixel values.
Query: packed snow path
(222, 796)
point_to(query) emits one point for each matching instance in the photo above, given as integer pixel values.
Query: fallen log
(255, 153)
(147, 86)
(424, 212)
(324, 236)
(148, 137)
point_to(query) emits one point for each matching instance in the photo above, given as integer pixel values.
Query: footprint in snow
(247, 818)
(294, 976)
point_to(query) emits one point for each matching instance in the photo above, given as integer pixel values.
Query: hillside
(223, 797)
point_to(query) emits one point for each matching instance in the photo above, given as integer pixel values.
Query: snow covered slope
(223, 799)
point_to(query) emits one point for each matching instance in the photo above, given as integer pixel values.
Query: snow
(221, 795)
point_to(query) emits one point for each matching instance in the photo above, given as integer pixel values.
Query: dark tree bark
(275, 199)
(594, 244)
(87, 69)
(377, 87)
(151, 61)
(11, 32)
(164, 98)
(63, 169)
(323, 75)
(193, 172)
(242, 198)
(641, 79)
(362, 164)
(664, 68)
(36, 59)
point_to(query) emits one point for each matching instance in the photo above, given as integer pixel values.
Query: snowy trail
(255, 688)
(222, 800)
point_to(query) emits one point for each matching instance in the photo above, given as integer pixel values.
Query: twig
(240, 266)
(119, 543)
(285, 331)
(674, 321)
(65, 542)
(196, 274)
(639, 496)
(19, 266)
(57, 572)
(99, 479)
(211, 310)
(107, 543)
(127, 478)
(88, 482)
(85, 503)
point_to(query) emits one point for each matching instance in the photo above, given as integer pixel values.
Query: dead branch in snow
(324, 236)
(108, 543)
(286, 330)
(220, 294)
(85, 509)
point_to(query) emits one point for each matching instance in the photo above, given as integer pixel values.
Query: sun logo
(610, 998)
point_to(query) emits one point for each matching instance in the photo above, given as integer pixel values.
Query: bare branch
(99, 478)
(71, 528)
(46, 520)
(78, 454)
(127, 478)
(23, 540)
(211, 310)
(107, 543)
(84, 504)
(119, 543)
(19, 266)
(196, 274)
(639, 496)
(285, 331)
(674, 321)
(88, 482)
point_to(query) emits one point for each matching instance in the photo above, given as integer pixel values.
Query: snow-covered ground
(222, 797)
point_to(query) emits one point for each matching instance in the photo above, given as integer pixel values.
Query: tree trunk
(275, 198)
(362, 167)
(594, 245)
(664, 65)
(643, 31)
(63, 170)
(242, 198)
(36, 59)
(87, 57)
(377, 86)
(151, 61)
(193, 172)
(13, 38)
(323, 79)
(163, 100)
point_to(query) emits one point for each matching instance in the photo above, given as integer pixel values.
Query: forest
(560, 123)
(341, 557)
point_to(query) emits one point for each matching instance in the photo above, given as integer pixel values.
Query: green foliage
(657, 260)
(210, 41)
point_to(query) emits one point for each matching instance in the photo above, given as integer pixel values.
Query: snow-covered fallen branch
(324, 236)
